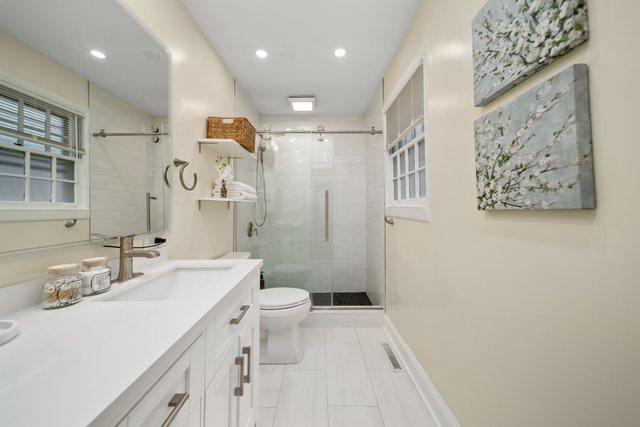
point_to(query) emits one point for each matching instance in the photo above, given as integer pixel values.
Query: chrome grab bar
(326, 215)
(183, 164)
(239, 391)
(177, 402)
(243, 311)
(247, 351)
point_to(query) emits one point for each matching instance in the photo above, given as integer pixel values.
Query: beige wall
(524, 318)
(18, 61)
(201, 86)
(26, 64)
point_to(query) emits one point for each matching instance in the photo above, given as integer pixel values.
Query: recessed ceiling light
(340, 52)
(261, 53)
(98, 54)
(302, 103)
(288, 129)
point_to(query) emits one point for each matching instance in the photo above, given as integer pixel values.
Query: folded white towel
(247, 196)
(239, 186)
(241, 195)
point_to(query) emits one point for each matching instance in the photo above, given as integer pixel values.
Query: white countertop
(69, 365)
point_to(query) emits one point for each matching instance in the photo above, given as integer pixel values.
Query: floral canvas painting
(514, 38)
(535, 152)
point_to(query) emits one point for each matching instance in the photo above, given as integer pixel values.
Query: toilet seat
(282, 298)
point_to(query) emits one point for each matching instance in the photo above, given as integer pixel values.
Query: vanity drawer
(167, 401)
(229, 322)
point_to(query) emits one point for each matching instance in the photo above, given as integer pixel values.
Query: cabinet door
(167, 400)
(250, 350)
(221, 404)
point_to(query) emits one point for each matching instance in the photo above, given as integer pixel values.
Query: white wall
(524, 318)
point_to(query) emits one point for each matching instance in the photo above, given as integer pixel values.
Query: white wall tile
(374, 154)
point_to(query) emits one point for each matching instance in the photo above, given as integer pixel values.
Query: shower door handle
(326, 215)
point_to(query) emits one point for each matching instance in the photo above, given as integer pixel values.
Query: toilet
(281, 311)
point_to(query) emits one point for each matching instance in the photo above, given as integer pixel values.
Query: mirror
(84, 124)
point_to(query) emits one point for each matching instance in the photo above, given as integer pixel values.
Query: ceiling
(300, 37)
(136, 68)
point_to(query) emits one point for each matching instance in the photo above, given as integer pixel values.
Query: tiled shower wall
(349, 211)
(374, 154)
(292, 242)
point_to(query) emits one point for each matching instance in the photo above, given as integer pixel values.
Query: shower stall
(319, 220)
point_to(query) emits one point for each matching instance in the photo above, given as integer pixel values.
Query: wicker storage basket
(237, 128)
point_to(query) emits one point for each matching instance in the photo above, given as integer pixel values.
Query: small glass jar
(96, 276)
(63, 286)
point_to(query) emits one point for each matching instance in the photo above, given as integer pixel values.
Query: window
(41, 149)
(406, 149)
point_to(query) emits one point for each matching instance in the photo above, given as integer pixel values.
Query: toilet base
(283, 346)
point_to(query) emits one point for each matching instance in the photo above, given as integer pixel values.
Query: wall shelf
(219, 199)
(226, 147)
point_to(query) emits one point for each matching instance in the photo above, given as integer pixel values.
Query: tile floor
(344, 380)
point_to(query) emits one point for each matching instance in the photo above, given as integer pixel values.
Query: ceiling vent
(302, 104)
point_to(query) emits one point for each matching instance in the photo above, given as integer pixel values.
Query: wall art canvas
(514, 38)
(535, 152)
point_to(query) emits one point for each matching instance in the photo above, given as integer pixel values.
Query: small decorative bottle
(223, 190)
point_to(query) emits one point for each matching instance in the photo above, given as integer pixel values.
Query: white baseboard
(436, 405)
(345, 318)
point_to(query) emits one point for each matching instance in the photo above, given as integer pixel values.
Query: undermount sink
(182, 283)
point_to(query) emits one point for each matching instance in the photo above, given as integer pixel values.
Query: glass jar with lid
(63, 286)
(96, 276)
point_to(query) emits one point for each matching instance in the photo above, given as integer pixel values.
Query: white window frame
(415, 209)
(46, 211)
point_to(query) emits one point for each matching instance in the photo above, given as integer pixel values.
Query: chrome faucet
(125, 272)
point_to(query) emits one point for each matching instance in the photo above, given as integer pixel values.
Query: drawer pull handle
(177, 402)
(247, 351)
(243, 311)
(239, 391)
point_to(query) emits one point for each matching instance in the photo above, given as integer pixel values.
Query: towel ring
(183, 164)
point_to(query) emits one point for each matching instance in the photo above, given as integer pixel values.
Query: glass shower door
(284, 242)
(296, 240)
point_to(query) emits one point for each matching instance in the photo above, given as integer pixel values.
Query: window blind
(31, 123)
(407, 108)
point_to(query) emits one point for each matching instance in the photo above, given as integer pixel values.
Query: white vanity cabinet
(215, 382)
(176, 398)
(231, 396)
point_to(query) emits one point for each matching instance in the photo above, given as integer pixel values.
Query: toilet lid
(277, 298)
